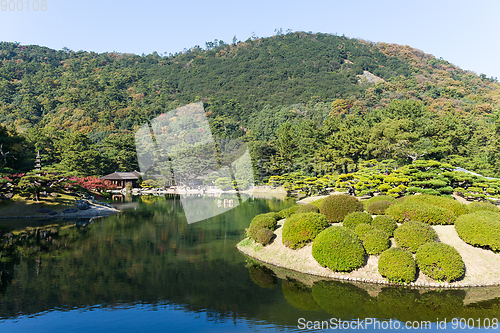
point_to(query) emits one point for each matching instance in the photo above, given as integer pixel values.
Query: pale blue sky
(466, 33)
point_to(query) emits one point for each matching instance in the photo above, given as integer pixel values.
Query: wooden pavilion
(121, 179)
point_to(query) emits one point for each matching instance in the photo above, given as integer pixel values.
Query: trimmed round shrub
(362, 229)
(268, 221)
(353, 219)
(300, 229)
(379, 198)
(451, 204)
(420, 211)
(339, 249)
(336, 207)
(307, 208)
(284, 213)
(376, 241)
(440, 261)
(264, 236)
(481, 228)
(379, 207)
(412, 234)
(318, 202)
(479, 206)
(397, 265)
(385, 223)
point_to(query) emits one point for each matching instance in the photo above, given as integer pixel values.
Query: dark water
(147, 270)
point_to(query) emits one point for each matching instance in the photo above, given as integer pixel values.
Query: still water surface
(148, 270)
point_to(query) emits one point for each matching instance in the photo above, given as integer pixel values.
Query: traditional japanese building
(121, 179)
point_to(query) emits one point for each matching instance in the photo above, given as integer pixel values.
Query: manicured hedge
(440, 261)
(307, 208)
(267, 221)
(481, 228)
(336, 207)
(379, 207)
(362, 229)
(353, 219)
(339, 249)
(397, 265)
(444, 202)
(300, 229)
(264, 236)
(420, 211)
(385, 223)
(478, 206)
(376, 241)
(379, 198)
(284, 213)
(412, 234)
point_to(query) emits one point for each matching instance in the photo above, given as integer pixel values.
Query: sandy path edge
(482, 266)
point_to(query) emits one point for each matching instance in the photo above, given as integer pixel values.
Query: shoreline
(476, 260)
(94, 211)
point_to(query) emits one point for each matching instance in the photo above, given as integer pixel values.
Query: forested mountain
(297, 99)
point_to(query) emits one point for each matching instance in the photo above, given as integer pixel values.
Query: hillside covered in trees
(298, 99)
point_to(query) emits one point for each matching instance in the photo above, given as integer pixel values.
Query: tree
(46, 180)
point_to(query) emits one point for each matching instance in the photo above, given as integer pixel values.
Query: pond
(148, 269)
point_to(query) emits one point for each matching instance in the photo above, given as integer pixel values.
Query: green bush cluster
(266, 221)
(440, 261)
(481, 228)
(339, 249)
(285, 213)
(444, 202)
(379, 198)
(336, 207)
(299, 229)
(307, 208)
(362, 229)
(264, 236)
(318, 202)
(351, 220)
(397, 265)
(379, 207)
(412, 234)
(420, 211)
(376, 241)
(478, 206)
(385, 223)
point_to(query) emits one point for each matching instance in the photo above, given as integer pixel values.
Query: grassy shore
(20, 206)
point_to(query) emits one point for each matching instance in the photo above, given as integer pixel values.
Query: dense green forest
(298, 99)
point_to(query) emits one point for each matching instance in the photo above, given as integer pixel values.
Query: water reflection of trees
(149, 255)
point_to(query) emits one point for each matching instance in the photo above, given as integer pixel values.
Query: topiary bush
(420, 211)
(379, 207)
(336, 207)
(362, 229)
(479, 206)
(481, 228)
(444, 202)
(300, 229)
(412, 234)
(307, 208)
(376, 241)
(440, 261)
(268, 221)
(284, 213)
(379, 198)
(353, 219)
(397, 265)
(264, 236)
(339, 249)
(385, 223)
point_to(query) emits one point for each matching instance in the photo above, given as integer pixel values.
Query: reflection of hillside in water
(348, 300)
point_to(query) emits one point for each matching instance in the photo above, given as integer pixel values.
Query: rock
(44, 210)
(52, 213)
(82, 204)
(70, 210)
(54, 195)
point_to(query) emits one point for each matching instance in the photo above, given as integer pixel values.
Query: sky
(465, 33)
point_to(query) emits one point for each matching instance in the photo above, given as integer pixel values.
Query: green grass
(20, 206)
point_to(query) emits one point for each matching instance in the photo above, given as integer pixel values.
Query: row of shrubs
(481, 228)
